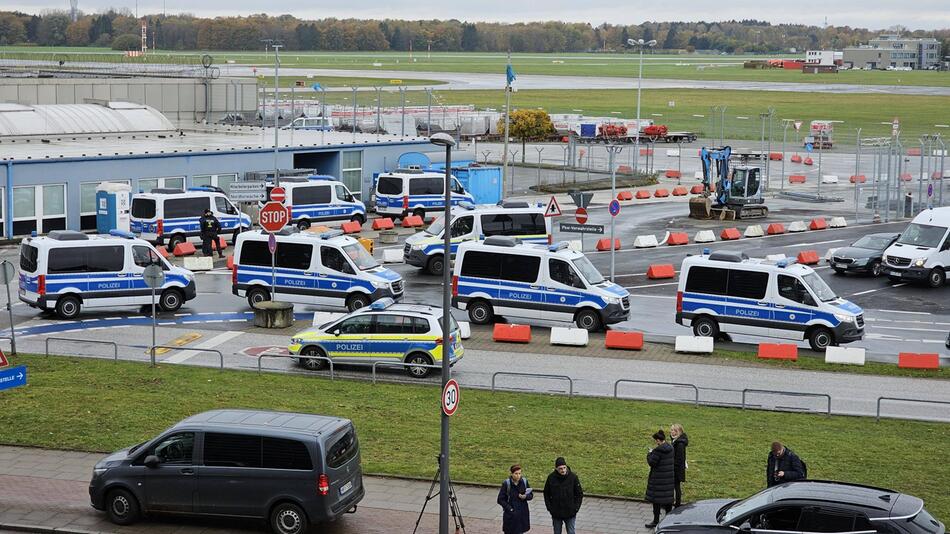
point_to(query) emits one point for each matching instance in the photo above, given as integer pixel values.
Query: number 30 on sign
(450, 397)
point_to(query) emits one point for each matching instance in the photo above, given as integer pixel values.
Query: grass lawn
(98, 405)
(808, 363)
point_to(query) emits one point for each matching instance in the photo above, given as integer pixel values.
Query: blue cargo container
(484, 183)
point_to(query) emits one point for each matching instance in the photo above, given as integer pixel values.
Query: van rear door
(342, 468)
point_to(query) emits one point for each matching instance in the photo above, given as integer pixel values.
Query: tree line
(121, 30)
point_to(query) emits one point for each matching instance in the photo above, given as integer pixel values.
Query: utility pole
(504, 158)
(276, 45)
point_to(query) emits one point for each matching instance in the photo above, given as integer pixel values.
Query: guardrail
(788, 394)
(877, 418)
(570, 381)
(403, 365)
(12, 344)
(263, 355)
(674, 384)
(151, 351)
(115, 346)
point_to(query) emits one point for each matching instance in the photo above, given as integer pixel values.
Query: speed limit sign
(450, 397)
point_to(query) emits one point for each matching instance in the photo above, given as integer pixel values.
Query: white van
(922, 252)
(311, 123)
(329, 269)
(502, 276)
(474, 223)
(729, 293)
(68, 270)
(415, 192)
(319, 199)
(171, 215)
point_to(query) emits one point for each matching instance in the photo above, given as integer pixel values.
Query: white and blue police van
(503, 277)
(319, 199)
(171, 215)
(729, 293)
(327, 269)
(67, 271)
(415, 192)
(475, 223)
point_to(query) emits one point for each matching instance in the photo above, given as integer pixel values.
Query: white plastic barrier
(199, 263)
(704, 236)
(775, 257)
(561, 335)
(321, 317)
(694, 344)
(829, 179)
(754, 230)
(466, 329)
(845, 355)
(673, 152)
(837, 222)
(393, 255)
(645, 241)
(698, 175)
(797, 226)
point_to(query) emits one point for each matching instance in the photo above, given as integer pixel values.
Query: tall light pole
(276, 45)
(446, 140)
(785, 123)
(640, 43)
(613, 150)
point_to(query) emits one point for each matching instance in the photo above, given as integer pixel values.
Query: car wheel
(68, 307)
(312, 364)
(588, 320)
(356, 302)
(288, 518)
(480, 312)
(174, 241)
(358, 218)
(418, 359)
(122, 508)
(257, 295)
(436, 264)
(820, 339)
(171, 300)
(936, 278)
(303, 224)
(705, 327)
(876, 269)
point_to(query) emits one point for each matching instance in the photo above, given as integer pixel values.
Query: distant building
(823, 58)
(894, 51)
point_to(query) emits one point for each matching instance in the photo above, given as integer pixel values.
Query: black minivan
(290, 469)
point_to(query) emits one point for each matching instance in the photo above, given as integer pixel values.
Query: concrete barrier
(808, 257)
(677, 238)
(858, 178)
(645, 241)
(353, 227)
(696, 189)
(466, 329)
(796, 178)
(913, 360)
(775, 257)
(576, 337)
(694, 344)
(818, 223)
(680, 191)
(646, 151)
(412, 221)
(384, 223)
(672, 173)
(230, 258)
(796, 158)
(199, 263)
(661, 193)
(775, 156)
(754, 230)
(321, 317)
(829, 179)
(730, 234)
(184, 249)
(847, 356)
(604, 244)
(704, 236)
(673, 152)
(624, 195)
(797, 226)
(512, 333)
(837, 222)
(661, 271)
(393, 255)
(642, 194)
(775, 228)
(778, 351)
(808, 161)
(906, 177)
(619, 339)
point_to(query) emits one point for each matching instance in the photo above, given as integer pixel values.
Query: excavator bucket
(700, 207)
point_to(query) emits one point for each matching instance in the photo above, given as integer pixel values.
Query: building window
(216, 180)
(351, 171)
(87, 203)
(40, 211)
(145, 185)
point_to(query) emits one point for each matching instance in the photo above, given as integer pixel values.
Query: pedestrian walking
(680, 442)
(661, 481)
(513, 498)
(210, 226)
(783, 466)
(563, 496)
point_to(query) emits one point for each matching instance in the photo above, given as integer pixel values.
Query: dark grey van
(290, 469)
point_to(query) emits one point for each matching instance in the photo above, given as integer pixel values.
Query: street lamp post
(446, 140)
(276, 45)
(613, 150)
(640, 43)
(785, 123)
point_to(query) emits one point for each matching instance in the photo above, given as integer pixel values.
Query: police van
(319, 199)
(66, 271)
(473, 223)
(171, 215)
(382, 332)
(415, 192)
(504, 277)
(325, 269)
(922, 252)
(726, 292)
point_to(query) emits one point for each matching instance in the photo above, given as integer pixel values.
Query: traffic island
(273, 314)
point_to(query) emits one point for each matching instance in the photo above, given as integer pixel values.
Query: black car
(862, 256)
(806, 506)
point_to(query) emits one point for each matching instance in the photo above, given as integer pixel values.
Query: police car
(726, 292)
(415, 192)
(474, 223)
(319, 199)
(67, 270)
(327, 268)
(382, 332)
(171, 215)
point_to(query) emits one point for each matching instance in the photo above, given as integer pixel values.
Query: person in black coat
(783, 466)
(680, 442)
(209, 226)
(513, 497)
(662, 479)
(563, 496)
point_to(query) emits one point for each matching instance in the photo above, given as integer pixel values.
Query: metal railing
(10, 339)
(115, 346)
(570, 381)
(900, 399)
(788, 394)
(263, 355)
(151, 351)
(403, 365)
(674, 384)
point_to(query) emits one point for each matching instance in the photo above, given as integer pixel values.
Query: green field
(98, 405)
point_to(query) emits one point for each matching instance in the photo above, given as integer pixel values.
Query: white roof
(70, 119)
(934, 216)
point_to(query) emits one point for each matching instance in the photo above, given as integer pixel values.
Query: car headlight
(845, 318)
(296, 341)
(612, 300)
(99, 471)
(381, 285)
(418, 246)
(884, 258)
(919, 262)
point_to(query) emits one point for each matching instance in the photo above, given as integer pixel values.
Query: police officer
(210, 226)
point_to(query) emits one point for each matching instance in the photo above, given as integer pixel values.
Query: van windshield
(437, 226)
(922, 235)
(588, 271)
(359, 256)
(819, 287)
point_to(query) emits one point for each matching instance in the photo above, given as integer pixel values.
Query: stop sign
(581, 215)
(274, 216)
(278, 194)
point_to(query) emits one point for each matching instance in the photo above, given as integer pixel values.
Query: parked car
(863, 256)
(806, 506)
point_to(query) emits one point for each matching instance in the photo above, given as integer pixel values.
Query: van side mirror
(152, 461)
(349, 198)
(336, 332)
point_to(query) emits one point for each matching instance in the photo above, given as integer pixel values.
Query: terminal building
(894, 51)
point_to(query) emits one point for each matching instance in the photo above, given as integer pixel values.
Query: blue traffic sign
(809, 147)
(614, 207)
(930, 190)
(13, 377)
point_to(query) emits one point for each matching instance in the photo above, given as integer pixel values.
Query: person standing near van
(210, 226)
(563, 496)
(680, 442)
(661, 481)
(783, 466)
(513, 497)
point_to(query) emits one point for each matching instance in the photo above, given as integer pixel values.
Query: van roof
(51, 241)
(176, 193)
(502, 244)
(412, 173)
(299, 423)
(729, 259)
(421, 309)
(934, 216)
(494, 208)
(330, 237)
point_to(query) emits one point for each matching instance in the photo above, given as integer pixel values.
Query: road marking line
(652, 285)
(907, 312)
(179, 341)
(207, 344)
(652, 297)
(879, 289)
(940, 331)
(816, 243)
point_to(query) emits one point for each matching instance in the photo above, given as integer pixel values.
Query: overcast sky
(873, 14)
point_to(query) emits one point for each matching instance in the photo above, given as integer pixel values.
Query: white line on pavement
(816, 243)
(207, 344)
(907, 312)
(652, 297)
(939, 331)
(878, 289)
(652, 285)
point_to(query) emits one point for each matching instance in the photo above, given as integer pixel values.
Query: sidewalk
(47, 491)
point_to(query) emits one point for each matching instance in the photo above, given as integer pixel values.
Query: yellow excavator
(736, 193)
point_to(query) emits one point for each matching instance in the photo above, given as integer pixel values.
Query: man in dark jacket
(783, 466)
(680, 442)
(563, 496)
(209, 226)
(513, 498)
(662, 479)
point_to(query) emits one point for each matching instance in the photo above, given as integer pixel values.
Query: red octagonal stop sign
(274, 216)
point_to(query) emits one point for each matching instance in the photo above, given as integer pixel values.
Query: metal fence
(899, 399)
(570, 381)
(114, 345)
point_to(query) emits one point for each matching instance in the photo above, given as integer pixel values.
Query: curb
(17, 527)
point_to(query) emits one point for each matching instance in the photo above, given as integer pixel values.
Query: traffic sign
(13, 377)
(809, 147)
(930, 190)
(250, 191)
(278, 194)
(571, 228)
(154, 276)
(450, 397)
(3, 359)
(580, 215)
(272, 243)
(274, 216)
(553, 209)
(798, 125)
(7, 273)
(614, 207)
